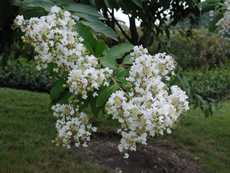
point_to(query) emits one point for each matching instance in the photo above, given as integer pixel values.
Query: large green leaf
(82, 8)
(127, 60)
(96, 24)
(121, 74)
(101, 47)
(112, 54)
(95, 46)
(108, 62)
(138, 3)
(104, 95)
(90, 40)
(99, 27)
(118, 51)
(44, 4)
(91, 18)
(58, 92)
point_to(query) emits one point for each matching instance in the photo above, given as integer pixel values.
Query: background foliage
(193, 49)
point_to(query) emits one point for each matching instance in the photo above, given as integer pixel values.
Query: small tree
(89, 83)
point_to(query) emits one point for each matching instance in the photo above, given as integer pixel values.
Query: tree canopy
(156, 16)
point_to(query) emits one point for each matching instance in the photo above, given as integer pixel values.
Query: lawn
(27, 129)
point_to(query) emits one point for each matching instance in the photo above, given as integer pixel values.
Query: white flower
(54, 38)
(55, 9)
(56, 41)
(19, 20)
(73, 128)
(149, 109)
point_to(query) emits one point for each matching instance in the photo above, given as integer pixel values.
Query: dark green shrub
(22, 73)
(214, 83)
(200, 49)
(206, 88)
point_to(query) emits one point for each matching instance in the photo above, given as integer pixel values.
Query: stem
(119, 26)
(133, 30)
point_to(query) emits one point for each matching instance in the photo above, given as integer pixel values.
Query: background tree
(7, 15)
(211, 12)
(156, 17)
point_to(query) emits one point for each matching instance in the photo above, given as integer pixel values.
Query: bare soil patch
(160, 157)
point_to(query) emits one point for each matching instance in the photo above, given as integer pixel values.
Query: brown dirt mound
(160, 157)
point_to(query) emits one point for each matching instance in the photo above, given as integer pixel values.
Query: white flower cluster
(53, 38)
(150, 108)
(56, 41)
(88, 79)
(73, 127)
(224, 23)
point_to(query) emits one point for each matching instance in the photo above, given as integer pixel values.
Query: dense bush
(214, 83)
(22, 73)
(199, 49)
(206, 88)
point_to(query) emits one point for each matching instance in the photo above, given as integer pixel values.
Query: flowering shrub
(138, 97)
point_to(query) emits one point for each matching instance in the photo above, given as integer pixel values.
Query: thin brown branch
(120, 27)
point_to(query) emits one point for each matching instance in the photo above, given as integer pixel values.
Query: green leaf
(96, 47)
(114, 53)
(127, 60)
(138, 3)
(118, 51)
(99, 27)
(58, 92)
(95, 23)
(101, 47)
(121, 74)
(44, 4)
(104, 95)
(90, 40)
(108, 62)
(82, 8)
(109, 4)
(88, 17)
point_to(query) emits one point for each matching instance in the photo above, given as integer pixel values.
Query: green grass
(26, 132)
(208, 139)
(27, 129)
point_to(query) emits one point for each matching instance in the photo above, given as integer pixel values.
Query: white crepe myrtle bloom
(151, 107)
(73, 127)
(19, 20)
(87, 77)
(56, 41)
(54, 38)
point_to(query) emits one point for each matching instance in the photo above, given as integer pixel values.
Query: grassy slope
(27, 128)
